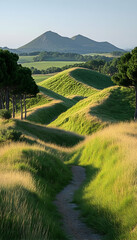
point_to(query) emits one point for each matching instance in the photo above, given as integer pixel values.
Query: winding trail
(72, 225)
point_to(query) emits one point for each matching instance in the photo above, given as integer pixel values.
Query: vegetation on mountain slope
(65, 84)
(110, 105)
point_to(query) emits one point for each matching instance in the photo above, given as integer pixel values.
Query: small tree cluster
(16, 82)
(127, 72)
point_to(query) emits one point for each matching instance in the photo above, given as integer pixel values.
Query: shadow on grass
(92, 78)
(49, 135)
(98, 218)
(119, 106)
(47, 114)
(54, 95)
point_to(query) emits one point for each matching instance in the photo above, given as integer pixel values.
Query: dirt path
(75, 229)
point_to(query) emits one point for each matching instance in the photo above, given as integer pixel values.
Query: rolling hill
(77, 81)
(35, 169)
(51, 41)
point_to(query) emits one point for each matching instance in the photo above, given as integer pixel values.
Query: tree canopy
(16, 82)
(127, 72)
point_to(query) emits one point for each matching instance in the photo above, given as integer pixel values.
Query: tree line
(16, 83)
(108, 67)
(57, 56)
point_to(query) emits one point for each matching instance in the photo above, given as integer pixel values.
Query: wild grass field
(25, 59)
(80, 118)
(40, 77)
(47, 64)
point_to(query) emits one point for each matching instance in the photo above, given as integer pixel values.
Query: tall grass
(49, 135)
(108, 197)
(30, 179)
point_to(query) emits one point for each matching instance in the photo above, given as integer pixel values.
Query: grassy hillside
(35, 169)
(65, 84)
(49, 135)
(92, 78)
(108, 197)
(110, 105)
(47, 114)
(30, 178)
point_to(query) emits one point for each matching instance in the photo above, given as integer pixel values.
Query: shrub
(5, 114)
(9, 134)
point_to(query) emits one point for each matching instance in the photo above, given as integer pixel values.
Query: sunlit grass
(63, 83)
(113, 104)
(108, 198)
(30, 178)
(43, 65)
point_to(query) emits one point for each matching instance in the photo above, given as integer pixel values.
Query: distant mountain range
(51, 41)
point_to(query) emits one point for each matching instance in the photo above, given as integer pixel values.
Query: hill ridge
(51, 41)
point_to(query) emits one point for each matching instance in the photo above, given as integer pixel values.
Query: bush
(5, 114)
(9, 134)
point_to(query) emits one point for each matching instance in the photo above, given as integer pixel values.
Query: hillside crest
(51, 41)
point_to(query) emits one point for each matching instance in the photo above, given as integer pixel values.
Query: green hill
(84, 84)
(107, 106)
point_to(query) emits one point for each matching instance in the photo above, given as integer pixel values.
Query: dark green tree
(26, 86)
(8, 68)
(127, 73)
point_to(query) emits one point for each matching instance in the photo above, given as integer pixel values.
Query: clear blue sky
(114, 21)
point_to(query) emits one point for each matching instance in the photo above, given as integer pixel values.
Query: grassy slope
(64, 84)
(108, 197)
(47, 114)
(92, 78)
(30, 179)
(31, 175)
(91, 114)
(49, 135)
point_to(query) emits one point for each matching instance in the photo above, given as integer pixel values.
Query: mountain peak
(51, 41)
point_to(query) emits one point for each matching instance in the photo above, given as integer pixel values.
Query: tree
(14, 81)
(8, 67)
(26, 86)
(127, 73)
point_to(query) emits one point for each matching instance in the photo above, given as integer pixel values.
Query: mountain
(50, 41)
(10, 50)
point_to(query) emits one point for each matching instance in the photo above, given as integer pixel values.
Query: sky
(114, 21)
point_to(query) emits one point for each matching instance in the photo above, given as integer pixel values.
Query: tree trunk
(3, 101)
(15, 101)
(24, 98)
(7, 98)
(13, 106)
(0, 100)
(21, 107)
(135, 116)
